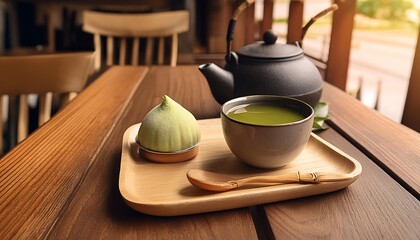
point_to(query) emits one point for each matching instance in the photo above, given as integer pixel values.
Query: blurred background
(382, 47)
(383, 41)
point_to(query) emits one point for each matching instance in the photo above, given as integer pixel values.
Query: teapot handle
(231, 27)
(324, 12)
(229, 38)
(245, 4)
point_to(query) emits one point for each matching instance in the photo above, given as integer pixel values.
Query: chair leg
(161, 50)
(149, 51)
(23, 118)
(135, 52)
(45, 102)
(123, 51)
(109, 51)
(98, 50)
(174, 50)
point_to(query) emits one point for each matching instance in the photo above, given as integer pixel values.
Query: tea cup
(266, 131)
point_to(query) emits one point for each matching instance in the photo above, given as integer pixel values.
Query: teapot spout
(220, 81)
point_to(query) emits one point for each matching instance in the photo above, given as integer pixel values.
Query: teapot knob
(270, 37)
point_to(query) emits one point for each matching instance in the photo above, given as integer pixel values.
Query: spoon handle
(298, 177)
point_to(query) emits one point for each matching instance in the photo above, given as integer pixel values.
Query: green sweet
(169, 127)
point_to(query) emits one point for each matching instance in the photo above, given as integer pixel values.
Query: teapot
(264, 68)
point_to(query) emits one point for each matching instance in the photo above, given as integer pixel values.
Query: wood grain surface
(374, 207)
(41, 174)
(392, 146)
(62, 181)
(144, 188)
(97, 209)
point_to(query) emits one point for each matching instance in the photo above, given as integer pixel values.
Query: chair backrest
(151, 26)
(43, 75)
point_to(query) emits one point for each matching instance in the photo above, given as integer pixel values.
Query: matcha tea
(264, 114)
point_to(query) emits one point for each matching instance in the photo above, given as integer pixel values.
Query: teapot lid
(269, 49)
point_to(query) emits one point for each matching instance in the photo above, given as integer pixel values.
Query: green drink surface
(264, 114)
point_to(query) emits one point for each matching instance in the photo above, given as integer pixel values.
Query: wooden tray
(163, 189)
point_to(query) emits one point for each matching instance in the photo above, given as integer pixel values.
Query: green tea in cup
(266, 131)
(264, 114)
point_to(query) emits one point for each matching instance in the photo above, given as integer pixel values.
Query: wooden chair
(125, 26)
(64, 73)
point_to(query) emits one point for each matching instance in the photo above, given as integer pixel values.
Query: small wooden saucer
(168, 157)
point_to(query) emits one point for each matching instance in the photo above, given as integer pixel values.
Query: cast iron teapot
(264, 67)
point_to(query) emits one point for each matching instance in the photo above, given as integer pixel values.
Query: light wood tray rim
(227, 200)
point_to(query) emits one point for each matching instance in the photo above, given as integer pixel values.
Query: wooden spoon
(219, 183)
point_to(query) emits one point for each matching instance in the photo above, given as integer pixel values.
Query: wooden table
(62, 181)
